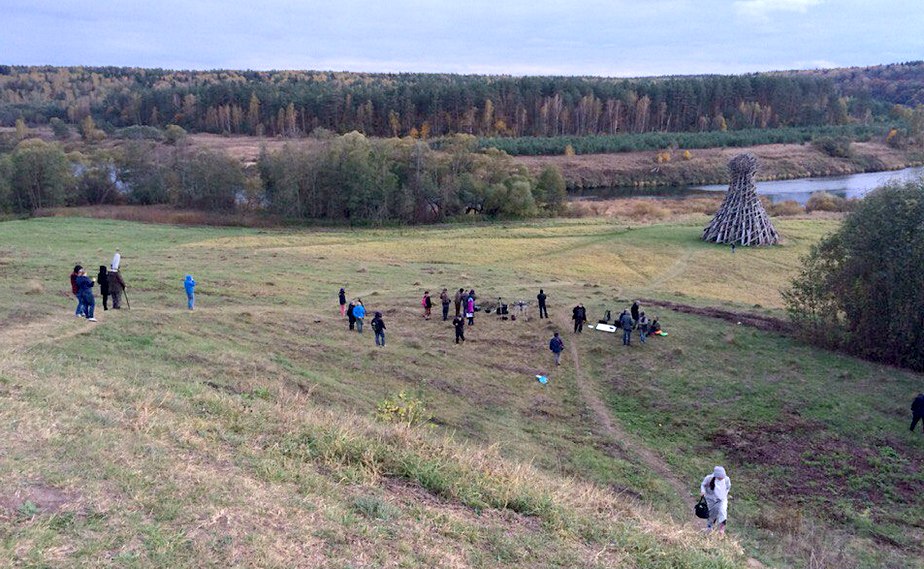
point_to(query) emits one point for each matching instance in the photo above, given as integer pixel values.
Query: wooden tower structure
(742, 219)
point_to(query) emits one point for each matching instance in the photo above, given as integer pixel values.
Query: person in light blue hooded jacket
(359, 311)
(190, 285)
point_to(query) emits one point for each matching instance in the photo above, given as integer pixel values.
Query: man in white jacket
(715, 488)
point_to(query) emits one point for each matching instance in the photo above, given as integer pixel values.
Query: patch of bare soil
(759, 321)
(37, 498)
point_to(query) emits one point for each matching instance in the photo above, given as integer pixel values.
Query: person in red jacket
(79, 313)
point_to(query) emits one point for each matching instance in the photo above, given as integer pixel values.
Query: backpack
(701, 509)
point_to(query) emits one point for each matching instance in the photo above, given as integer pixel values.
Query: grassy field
(246, 433)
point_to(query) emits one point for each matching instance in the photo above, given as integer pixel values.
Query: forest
(295, 103)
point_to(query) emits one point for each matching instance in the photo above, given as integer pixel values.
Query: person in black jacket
(342, 298)
(103, 279)
(350, 316)
(378, 326)
(579, 315)
(917, 411)
(459, 323)
(543, 311)
(626, 323)
(635, 312)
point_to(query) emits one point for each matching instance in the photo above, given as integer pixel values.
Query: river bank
(709, 166)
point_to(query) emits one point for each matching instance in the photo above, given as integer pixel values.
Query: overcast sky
(518, 37)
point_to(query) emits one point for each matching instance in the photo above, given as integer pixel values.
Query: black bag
(701, 509)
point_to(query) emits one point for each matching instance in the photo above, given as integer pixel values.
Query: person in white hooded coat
(715, 488)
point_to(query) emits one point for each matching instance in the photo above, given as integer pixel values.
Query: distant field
(245, 433)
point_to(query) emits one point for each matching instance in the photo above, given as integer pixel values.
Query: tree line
(345, 178)
(295, 103)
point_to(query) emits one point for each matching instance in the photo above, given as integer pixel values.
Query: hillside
(245, 433)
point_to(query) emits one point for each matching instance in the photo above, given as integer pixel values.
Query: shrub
(823, 201)
(139, 132)
(788, 207)
(174, 133)
(402, 409)
(836, 147)
(860, 288)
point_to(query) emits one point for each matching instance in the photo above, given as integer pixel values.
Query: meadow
(249, 432)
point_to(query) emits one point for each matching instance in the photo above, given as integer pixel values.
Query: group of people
(355, 313)
(635, 319)
(111, 286)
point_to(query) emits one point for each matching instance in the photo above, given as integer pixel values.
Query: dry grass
(163, 214)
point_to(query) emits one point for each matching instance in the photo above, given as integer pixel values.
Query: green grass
(245, 433)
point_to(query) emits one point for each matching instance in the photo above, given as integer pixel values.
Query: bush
(785, 208)
(860, 288)
(836, 147)
(174, 133)
(403, 409)
(60, 129)
(823, 201)
(139, 132)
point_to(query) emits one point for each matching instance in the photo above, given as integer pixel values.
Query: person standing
(359, 311)
(557, 346)
(642, 327)
(460, 296)
(715, 488)
(470, 309)
(343, 302)
(351, 316)
(116, 288)
(625, 322)
(79, 313)
(459, 324)
(579, 315)
(635, 311)
(378, 326)
(543, 312)
(85, 294)
(427, 304)
(103, 280)
(444, 302)
(190, 285)
(917, 412)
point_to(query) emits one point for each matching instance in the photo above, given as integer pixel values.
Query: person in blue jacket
(359, 311)
(190, 285)
(85, 294)
(626, 323)
(557, 346)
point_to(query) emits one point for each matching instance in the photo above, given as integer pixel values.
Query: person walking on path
(350, 315)
(557, 346)
(470, 309)
(625, 322)
(543, 311)
(643, 327)
(444, 301)
(102, 279)
(378, 326)
(917, 412)
(715, 488)
(190, 285)
(359, 311)
(635, 312)
(116, 288)
(459, 324)
(343, 302)
(85, 294)
(579, 315)
(427, 304)
(79, 313)
(460, 296)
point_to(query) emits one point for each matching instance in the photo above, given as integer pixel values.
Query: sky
(615, 38)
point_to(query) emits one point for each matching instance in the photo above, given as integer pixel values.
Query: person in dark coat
(342, 298)
(459, 324)
(635, 312)
(74, 274)
(427, 304)
(378, 326)
(103, 279)
(444, 301)
(643, 324)
(85, 293)
(557, 346)
(350, 316)
(625, 322)
(460, 296)
(543, 311)
(917, 411)
(116, 287)
(579, 315)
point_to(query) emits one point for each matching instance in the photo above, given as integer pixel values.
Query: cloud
(760, 9)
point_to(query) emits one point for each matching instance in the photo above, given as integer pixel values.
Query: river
(799, 190)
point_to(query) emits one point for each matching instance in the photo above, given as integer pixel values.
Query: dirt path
(619, 436)
(759, 321)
